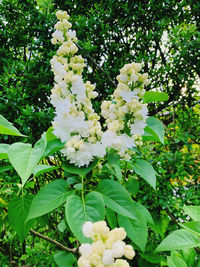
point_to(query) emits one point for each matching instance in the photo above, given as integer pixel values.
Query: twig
(171, 216)
(73, 250)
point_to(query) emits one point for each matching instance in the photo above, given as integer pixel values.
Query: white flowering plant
(98, 155)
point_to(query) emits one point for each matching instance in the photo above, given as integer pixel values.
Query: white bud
(85, 250)
(87, 229)
(108, 257)
(118, 249)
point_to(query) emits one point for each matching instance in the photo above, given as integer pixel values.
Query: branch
(73, 250)
(171, 216)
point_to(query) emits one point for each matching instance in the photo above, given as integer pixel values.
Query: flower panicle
(76, 123)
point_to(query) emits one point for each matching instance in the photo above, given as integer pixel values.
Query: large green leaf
(111, 218)
(17, 212)
(114, 164)
(146, 170)
(151, 96)
(4, 151)
(179, 239)
(40, 169)
(78, 212)
(52, 147)
(136, 230)
(194, 227)
(174, 261)
(81, 171)
(24, 158)
(117, 198)
(64, 259)
(193, 212)
(144, 212)
(154, 131)
(49, 198)
(7, 128)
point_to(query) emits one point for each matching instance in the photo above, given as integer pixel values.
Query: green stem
(82, 196)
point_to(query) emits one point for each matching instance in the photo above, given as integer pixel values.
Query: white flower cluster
(76, 123)
(106, 247)
(125, 114)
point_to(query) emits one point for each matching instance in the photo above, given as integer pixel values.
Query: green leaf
(193, 227)
(193, 212)
(114, 163)
(40, 169)
(117, 198)
(152, 96)
(81, 171)
(136, 230)
(161, 224)
(174, 261)
(6, 168)
(7, 128)
(179, 239)
(132, 185)
(152, 258)
(49, 134)
(49, 198)
(17, 212)
(144, 212)
(52, 147)
(4, 151)
(62, 226)
(146, 170)
(111, 218)
(154, 131)
(64, 259)
(24, 158)
(78, 212)
(189, 256)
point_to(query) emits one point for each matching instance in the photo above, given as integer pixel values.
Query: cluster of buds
(107, 247)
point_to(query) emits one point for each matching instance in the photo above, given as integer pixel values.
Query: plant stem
(61, 246)
(82, 196)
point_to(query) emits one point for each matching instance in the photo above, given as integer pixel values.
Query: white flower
(144, 111)
(85, 250)
(78, 88)
(138, 127)
(87, 229)
(128, 95)
(118, 249)
(108, 257)
(83, 262)
(58, 35)
(71, 34)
